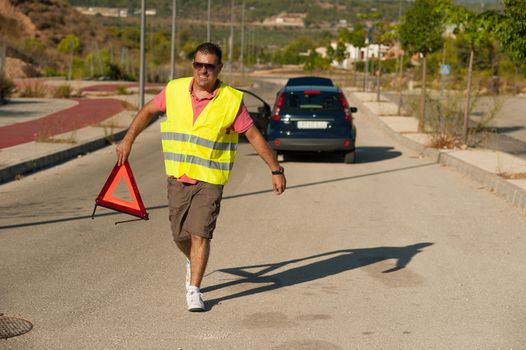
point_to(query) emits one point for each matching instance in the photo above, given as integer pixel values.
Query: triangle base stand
(119, 222)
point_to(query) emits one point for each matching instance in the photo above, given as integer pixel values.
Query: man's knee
(199, 241)
(184, 245)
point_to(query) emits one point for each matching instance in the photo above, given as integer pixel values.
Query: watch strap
(281, 171)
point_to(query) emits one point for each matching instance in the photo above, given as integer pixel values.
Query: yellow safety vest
(204, 150)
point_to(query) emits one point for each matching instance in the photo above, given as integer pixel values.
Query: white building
(353, 54)
(285, 19)
(102, 11)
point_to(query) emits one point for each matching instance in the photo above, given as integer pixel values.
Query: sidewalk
(500, 172)
(37, 133)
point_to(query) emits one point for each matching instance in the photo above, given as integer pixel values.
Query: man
(199, 137)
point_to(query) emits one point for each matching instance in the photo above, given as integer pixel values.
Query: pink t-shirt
(242, 123)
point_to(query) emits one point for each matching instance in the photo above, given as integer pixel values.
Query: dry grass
(109, 129)
(122, 90)
(128, 106)
(50, 139)
(62, 91)
(33, 88)
(14, 24)
(512, 176)
(152, 91)
(445, 141)
(46, 135)
(110, 124)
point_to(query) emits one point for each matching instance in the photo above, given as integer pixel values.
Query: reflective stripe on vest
(224, 146)
(177, 157)
(204, 150)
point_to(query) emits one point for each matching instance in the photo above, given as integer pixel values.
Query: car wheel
(350, 157)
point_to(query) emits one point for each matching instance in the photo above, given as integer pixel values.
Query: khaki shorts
(193, 208)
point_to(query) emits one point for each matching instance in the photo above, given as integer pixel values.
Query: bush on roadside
(6, 88)
(122, 90)
(63, 91)
(33, 88)
(50, 72)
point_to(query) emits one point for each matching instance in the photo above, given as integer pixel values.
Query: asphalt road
(393, 252)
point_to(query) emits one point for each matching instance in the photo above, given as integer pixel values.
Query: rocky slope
(32, 30)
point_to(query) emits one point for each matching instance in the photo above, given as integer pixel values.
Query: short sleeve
(243, 121)
(160, 100)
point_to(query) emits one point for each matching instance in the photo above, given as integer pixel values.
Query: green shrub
(51, 72)
(122, 90)
(63, 91)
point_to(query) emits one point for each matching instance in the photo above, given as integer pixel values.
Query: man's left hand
(279, 183)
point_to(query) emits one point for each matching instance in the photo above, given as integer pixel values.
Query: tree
(384, 34)
(421, 32)
(70, 44)
(512, 29)
(291, 54)
(315, 62)
(357, 39)
(339, 54)
(477, 31)
(66, 43)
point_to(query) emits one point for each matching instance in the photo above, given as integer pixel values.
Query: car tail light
(311, 92)
(346, 143)
(278, 107)
(345, 107)
(277, 142)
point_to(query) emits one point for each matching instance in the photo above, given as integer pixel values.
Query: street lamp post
(142, 65)
(401, 58)
(172, 58)
(241, 55)
(208, 24)
(231, 41)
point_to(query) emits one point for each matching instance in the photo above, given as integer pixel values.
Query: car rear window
(311, 100)
(309, 81)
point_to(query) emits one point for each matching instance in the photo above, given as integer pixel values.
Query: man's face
(206, 70)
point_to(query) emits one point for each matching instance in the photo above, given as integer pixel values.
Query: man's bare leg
(196, 250)
(199, 253)
(185, 246)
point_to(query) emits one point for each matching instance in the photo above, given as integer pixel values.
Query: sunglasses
(208, 66)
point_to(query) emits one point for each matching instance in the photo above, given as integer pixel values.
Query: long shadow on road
(335, 262)
(289, 188)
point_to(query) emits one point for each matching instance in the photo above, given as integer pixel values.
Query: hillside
(32, 30)
(318, 12)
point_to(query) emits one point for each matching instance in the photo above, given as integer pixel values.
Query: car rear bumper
(312, 145)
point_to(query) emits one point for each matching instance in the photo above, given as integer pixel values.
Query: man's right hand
(123, 150)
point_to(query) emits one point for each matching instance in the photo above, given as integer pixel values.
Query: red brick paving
(113, 87)
(87, 112)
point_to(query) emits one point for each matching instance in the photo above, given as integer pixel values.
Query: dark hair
(210, 48)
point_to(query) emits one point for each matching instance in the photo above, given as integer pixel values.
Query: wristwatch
(281, 171)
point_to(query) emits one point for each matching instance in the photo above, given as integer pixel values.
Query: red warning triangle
(106, 197)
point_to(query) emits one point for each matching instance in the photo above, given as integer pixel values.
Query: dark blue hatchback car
(312, 118)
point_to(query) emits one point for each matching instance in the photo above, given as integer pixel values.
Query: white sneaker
(194, 300)
(187, 280)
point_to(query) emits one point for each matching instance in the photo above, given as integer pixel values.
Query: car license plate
(312, 125)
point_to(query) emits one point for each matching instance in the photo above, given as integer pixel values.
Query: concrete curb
(10, 173)
(510, 192)
(504, 189)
